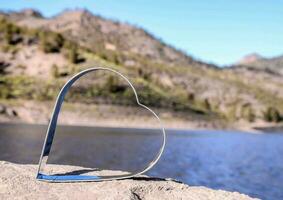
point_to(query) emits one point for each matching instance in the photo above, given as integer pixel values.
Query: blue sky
(219, 31)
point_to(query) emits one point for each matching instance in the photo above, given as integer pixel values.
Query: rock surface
(18, 182)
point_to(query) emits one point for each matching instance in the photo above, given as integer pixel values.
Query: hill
(272, 65)
(39, 54)
(100, 35)
(248, 59)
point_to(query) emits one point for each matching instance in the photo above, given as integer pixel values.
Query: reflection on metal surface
(52, 128)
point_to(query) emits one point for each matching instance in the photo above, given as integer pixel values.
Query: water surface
(234, 161)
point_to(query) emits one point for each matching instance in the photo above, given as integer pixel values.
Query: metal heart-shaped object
(52, 128)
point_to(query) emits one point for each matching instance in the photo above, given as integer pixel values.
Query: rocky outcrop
(7, 111)
(254, 61)
(18, 182)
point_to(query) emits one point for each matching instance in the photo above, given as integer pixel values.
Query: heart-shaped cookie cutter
(52, 128)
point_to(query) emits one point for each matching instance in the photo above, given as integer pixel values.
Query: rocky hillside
(255, 61)
(38, 54)
(100, 35)
(250, 58)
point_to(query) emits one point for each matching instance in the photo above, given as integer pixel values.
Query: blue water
(248, 163)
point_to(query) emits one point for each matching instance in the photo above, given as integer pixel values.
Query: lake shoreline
(30, 112)
(248, 130)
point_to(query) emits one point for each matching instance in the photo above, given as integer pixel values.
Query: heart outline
(52, 129)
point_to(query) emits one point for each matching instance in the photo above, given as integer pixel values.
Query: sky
(218, 31)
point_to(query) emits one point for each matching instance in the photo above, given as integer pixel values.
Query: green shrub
(111, 56)
(207, 105)
(191, 97)
(24, 87)
(10, 31)
(247, 113)
(8, 37)
(71, 52)
(112, 85)
(50, 42)
(272, 115)
(144, 74)
(73, 55)
(55, 71)
(4, 92)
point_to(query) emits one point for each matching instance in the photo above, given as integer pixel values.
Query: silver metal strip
(52, 127)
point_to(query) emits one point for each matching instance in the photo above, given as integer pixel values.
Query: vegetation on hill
(49, 42)
(164, 76)
(270, 65)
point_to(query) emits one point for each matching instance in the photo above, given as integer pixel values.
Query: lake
(248, 163)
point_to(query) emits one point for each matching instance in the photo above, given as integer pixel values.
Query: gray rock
(18, 182)
(2, 109)
(11, 112)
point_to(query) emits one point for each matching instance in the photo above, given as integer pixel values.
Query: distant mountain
(37, 54)
(250, 59)
(255, 61)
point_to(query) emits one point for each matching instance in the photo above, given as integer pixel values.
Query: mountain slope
(99, 34)
(37, 55)
(274, 65)
(248, 59)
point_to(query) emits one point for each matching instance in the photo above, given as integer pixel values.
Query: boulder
(2, 109)
(18, 181)
(11, 112)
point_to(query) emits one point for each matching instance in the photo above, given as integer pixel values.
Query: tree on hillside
(50, 42)
(71, 52)
(73, 55)
(272, 115)
(55, 71)
(11, 34)
(248, 113)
